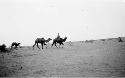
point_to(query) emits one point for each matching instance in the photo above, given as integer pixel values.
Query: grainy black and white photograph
(62, 38)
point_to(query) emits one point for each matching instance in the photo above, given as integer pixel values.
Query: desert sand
(75, 59)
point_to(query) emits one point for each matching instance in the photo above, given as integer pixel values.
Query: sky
(25, 20)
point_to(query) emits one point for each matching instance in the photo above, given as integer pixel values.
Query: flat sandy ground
(75, 59)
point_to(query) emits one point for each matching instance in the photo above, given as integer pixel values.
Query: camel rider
(58, 36)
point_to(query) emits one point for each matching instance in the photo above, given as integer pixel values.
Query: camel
(42, 41)
(59, 41)
(15, 44)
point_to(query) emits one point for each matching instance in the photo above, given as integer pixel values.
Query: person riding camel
(58, 36)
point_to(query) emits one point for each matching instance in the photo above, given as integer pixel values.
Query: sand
(75, 59)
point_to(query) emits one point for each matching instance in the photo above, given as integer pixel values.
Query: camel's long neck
(64, 39)
(47, 41)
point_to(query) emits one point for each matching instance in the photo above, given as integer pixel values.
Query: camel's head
(64, 39)
(18, 43)
(49, 39)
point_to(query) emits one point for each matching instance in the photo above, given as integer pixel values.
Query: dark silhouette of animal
(15, 45)
(42, 41)
(59, 41)
(3, 48)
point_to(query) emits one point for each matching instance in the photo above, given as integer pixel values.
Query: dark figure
(119, 39)
(15, 45)
(42, 41)
(58, 36)
(59, 41)
(3, 48)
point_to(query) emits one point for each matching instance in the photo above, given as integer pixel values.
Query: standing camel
(59, 41)
(42, 41)
(15, 45)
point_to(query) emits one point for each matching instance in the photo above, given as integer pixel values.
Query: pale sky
(25, 20)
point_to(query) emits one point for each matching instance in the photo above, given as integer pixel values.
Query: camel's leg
(59, 45)
(34, 45)
(56, 45)
(42, 45)
(62, 44)
(45, 44)
(15, 46)
(52, 44)
(38, 46)
(11, 47)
